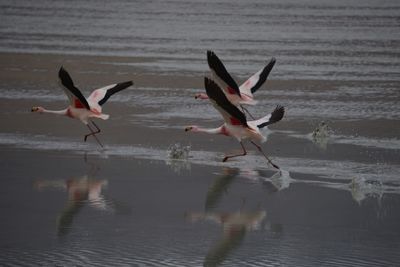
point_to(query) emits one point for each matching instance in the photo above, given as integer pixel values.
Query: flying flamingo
(81, 108)
(236, 124)
(237, 95)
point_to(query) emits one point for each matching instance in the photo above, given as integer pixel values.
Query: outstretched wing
(221, 75)
(75, 96)
(230, 112)
(254, 82)
(101, 95)
(275, 116)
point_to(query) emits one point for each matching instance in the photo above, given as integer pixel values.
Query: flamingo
(81, 108)
(235, 226)
(236, 124)
(81, 191)
(237, 95)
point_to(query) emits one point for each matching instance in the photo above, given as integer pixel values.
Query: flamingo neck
(56, 112)
(209, 130)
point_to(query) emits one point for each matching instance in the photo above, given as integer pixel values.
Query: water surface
(310, 39)
(158, 196)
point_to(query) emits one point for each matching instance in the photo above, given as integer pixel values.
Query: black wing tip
(65, 78)
(66, 82)
(210, 84)
(264, 75)
(210, 54)
(277, 114)
(215, 93)
(208, 81)
(215, 64)
(118, 87)
(62, 71)
(212, 59)
(126, 84)
(270, 65)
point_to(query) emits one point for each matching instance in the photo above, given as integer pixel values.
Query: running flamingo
(81, 108)
(236, 124)
(242, 95)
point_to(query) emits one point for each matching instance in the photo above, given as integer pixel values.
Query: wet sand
(334, 204)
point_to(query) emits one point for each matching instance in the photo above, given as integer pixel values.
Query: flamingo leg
(245, 109)
(97, 127)
(236, 155)
(262, 152)
(93, 133)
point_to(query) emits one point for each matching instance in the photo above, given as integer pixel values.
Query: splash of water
(321, 134)
(178, 157)
(177, 151)
(361, 188)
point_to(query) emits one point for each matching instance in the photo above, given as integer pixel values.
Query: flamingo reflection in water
(235, 226)
(220, 186)
(81, 191)
(278, 181)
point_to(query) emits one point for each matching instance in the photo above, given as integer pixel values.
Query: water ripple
(329, 40)
(328, 169)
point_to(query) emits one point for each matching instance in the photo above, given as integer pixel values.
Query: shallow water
(310, 39)
(130, 211)
(158, 196)
(136, 203)
(141, 202)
